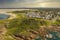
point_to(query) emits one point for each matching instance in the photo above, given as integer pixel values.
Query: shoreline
(10, 14)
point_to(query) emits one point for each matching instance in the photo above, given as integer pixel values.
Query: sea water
(3, 16)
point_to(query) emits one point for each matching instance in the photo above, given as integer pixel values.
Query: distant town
(43, 14)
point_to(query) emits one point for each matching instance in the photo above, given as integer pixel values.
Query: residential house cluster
(43, 14)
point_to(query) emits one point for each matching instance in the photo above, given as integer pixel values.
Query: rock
(49, 36)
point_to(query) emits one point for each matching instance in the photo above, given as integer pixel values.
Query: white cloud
(31, 3)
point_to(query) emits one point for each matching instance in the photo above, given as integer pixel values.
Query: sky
(29, 3)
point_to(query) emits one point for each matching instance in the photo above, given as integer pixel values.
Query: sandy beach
(11, 14)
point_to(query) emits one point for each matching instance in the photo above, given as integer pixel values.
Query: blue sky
(29, 3)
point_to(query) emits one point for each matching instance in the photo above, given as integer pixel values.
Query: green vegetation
(22, 24)
(57, 22)
(23, 11)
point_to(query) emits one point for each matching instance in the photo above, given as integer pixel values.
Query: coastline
(10, 14)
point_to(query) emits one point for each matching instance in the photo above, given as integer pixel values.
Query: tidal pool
(54, 34)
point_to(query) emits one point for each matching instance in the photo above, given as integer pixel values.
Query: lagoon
(3, 16)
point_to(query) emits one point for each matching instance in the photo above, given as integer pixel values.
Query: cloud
(28, 3)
